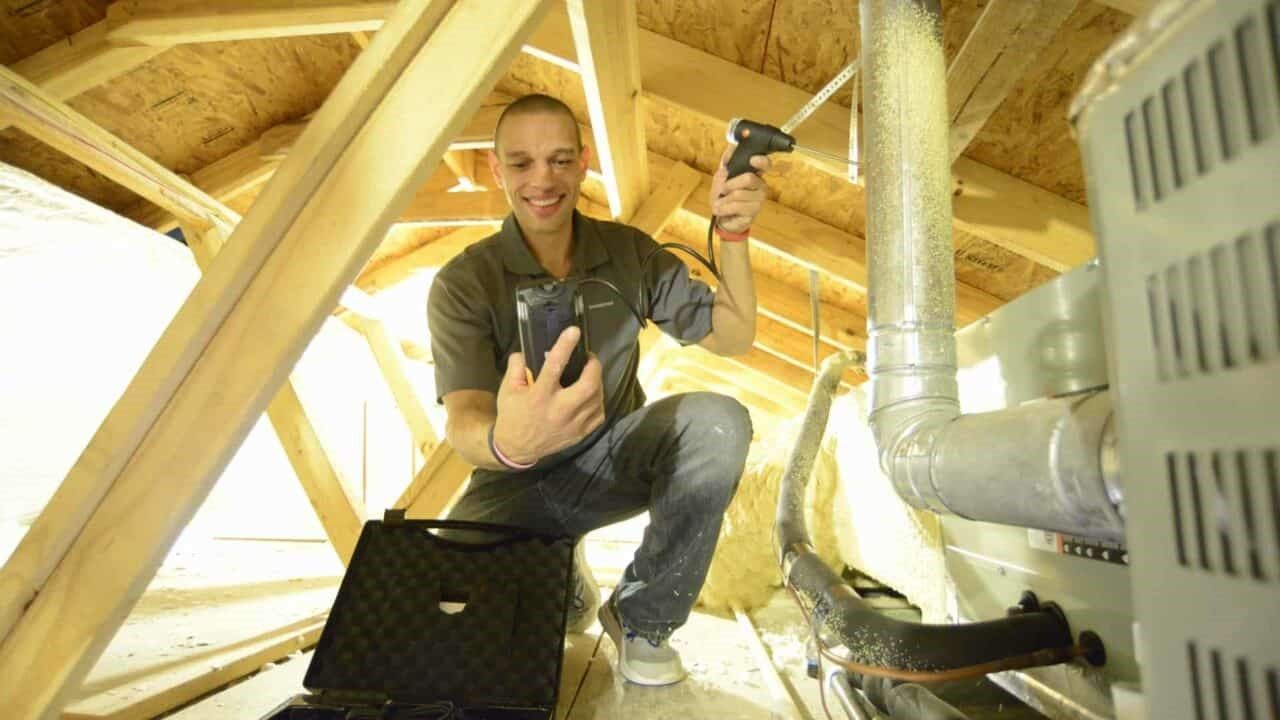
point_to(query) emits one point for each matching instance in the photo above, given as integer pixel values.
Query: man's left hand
(736, 202)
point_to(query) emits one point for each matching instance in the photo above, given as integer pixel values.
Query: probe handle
(754, 138)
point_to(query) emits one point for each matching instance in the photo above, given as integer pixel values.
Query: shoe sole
(613, 628)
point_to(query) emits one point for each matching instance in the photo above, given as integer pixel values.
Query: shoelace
(632, 635)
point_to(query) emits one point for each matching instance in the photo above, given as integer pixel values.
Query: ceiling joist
(988, 204)
(1029, 221)
(199, 391)
(604, 34)
(178, 22)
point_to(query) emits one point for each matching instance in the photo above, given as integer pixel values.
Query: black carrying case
(469, 626)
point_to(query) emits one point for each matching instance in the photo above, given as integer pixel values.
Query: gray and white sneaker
(640, 660)
(586, 593)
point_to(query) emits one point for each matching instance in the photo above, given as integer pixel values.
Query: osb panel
(400, 240)
(530, 75)
(694, 234)
(23, 151)
(197, 103)
(699, 142)
(1028, 135)
(958, 19)
(812, 40)
(732, 29)
(996, 270)
(28, 26)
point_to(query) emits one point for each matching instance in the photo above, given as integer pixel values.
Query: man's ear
(495, 166)
(584, 158)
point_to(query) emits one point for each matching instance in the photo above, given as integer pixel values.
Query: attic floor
(213, 599)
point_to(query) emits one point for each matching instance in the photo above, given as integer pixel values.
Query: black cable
(709, 263)
(600, 281)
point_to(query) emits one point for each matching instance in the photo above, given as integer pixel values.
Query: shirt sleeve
(678, 303)
(463, 347)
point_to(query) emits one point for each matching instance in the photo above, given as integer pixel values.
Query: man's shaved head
(536, 103)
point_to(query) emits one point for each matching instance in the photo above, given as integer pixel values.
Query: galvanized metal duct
(1037, 466)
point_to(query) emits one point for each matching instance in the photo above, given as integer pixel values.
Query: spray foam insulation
(744, 571)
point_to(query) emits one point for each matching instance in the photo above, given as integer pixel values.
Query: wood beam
(361, 38)
(61, 127)
(814, 244)
(782, 303)
(177, 22)
(666, 199)
(796, 348)
(248, 168)
(456, 208)
(1028, 219)
(341, 515)
(1007, 38)
(53, 531)
(777, 372)
(783, 329)
(430, 255)
(390, 361)
(462, 163)
(436, 484)
(1130, 7)
(81, 62)
(605, 36)
(231, 344)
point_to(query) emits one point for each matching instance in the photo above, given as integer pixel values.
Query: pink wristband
(732, 236)
(493, 447)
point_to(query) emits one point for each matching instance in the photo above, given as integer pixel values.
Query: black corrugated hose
(875, 644)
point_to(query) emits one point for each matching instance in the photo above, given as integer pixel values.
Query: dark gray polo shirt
(472, 309)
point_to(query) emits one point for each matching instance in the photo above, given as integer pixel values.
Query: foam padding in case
(389, 634)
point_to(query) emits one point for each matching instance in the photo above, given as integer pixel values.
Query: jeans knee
(726, 431)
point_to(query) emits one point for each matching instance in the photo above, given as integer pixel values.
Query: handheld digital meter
(544, 310)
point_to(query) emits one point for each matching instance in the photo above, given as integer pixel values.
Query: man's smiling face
(540, 164)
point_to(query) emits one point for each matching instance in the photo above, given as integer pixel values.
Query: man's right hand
(540, 418)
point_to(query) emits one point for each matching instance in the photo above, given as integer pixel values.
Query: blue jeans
(680, 458)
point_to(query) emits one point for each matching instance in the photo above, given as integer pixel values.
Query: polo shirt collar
(589, 249)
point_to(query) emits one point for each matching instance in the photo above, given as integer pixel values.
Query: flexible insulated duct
(874, 643)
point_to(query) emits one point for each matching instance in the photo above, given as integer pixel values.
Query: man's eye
(520, 165)
(563, 163)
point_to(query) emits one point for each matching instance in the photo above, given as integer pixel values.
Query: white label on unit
(1045, 540)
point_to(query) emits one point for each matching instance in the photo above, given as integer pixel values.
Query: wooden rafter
(429, 255)
(604, 34)
(61, 127)
(176, 22)
(1028, 220)
(390, 359)
(783, 327)
(199, 391)
(667, 198)
(1007, 38)
(456, 208)
(462, 163)
(989, 204)
(341, 515)
(248, 168)
(208, 221)
(811, 243)
(81, 62)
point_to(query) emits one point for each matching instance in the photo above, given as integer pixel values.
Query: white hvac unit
(1179, 127)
